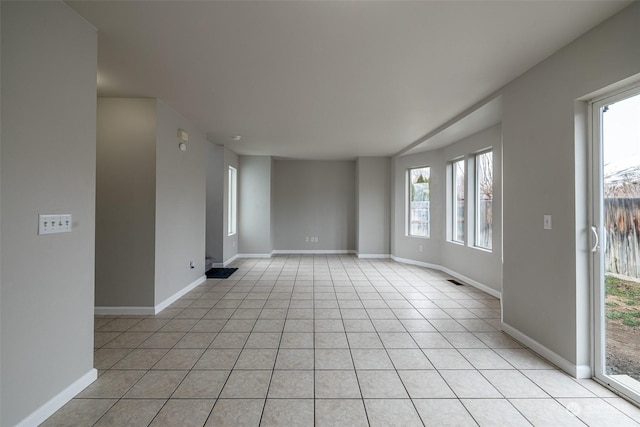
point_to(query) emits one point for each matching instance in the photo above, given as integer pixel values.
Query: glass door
(615, 213)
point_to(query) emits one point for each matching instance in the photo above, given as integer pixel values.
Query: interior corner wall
(314, 199)
(543, 298)
(180, 198)
(254, 205)
(373, 201)
(480, 266)
(215, 173)
(408, 247)
(484, 267)
(229, 242)
(48, 108)
(126, 202)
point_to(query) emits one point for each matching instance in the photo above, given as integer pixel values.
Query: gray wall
(150, 203)
(48, 137)
(373, 205)
(314, 198)
(229, 243)
(180, 205)
(480, 265)
(125, 202)
(409, 247)
(546, 289)
(254, 207)
(214, 204)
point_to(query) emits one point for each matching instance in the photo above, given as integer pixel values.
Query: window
(233, 199)
(484, 199)
(457, 224)
(419, 201)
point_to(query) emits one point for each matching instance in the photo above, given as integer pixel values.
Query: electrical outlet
(306, 239)
(420, 248)
(51, 224)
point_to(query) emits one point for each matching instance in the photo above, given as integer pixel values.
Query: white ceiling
(326, 79)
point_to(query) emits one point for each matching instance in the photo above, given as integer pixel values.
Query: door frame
(596, 239)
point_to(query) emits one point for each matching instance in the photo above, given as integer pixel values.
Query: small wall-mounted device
(183, 138)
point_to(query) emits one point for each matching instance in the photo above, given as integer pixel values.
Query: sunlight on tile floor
(329, 341)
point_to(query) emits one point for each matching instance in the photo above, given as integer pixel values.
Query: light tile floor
(330, 341)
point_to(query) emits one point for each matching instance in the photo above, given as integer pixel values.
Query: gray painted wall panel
(48, 105)
(545, 284)
(180, 205)
(373, 205)
(214, 205)
(125, 202)
(254, 207)
(314, 198)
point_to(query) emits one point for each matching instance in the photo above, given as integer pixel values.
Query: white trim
(313, 251)
(254, 255)
(225, 263)
(377, 256)
(467, 280)
(123, 310)
(584, 371)
(150, 310)
(59, 400)
(173, 298)
(474, 283)
(576, 371)
(414, 262)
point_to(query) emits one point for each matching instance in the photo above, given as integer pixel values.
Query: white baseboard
(59, 400)
(173, 298)
(313, 251)
(376, 256)
(484, 288)
(118, 311)
(254, 255)
(227, 262)
(414, 262)
(576, 371)
(468, 280)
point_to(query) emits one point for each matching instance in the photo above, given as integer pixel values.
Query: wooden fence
(622, 236)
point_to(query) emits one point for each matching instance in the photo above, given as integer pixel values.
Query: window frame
(453, 191)
(477, 194)
(408, 217)
(232, 201)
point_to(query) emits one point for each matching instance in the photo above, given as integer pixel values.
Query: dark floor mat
(220, 273)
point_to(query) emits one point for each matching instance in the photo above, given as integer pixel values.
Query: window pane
(232, 200)
(419, 201)
(458, 201)
(484, 202)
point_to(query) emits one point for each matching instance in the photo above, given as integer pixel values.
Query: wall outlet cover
(54, 223)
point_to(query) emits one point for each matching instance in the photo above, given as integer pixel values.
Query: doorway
(615, 215)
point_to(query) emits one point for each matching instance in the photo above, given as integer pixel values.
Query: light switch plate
(547, 222)
(55, 223)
